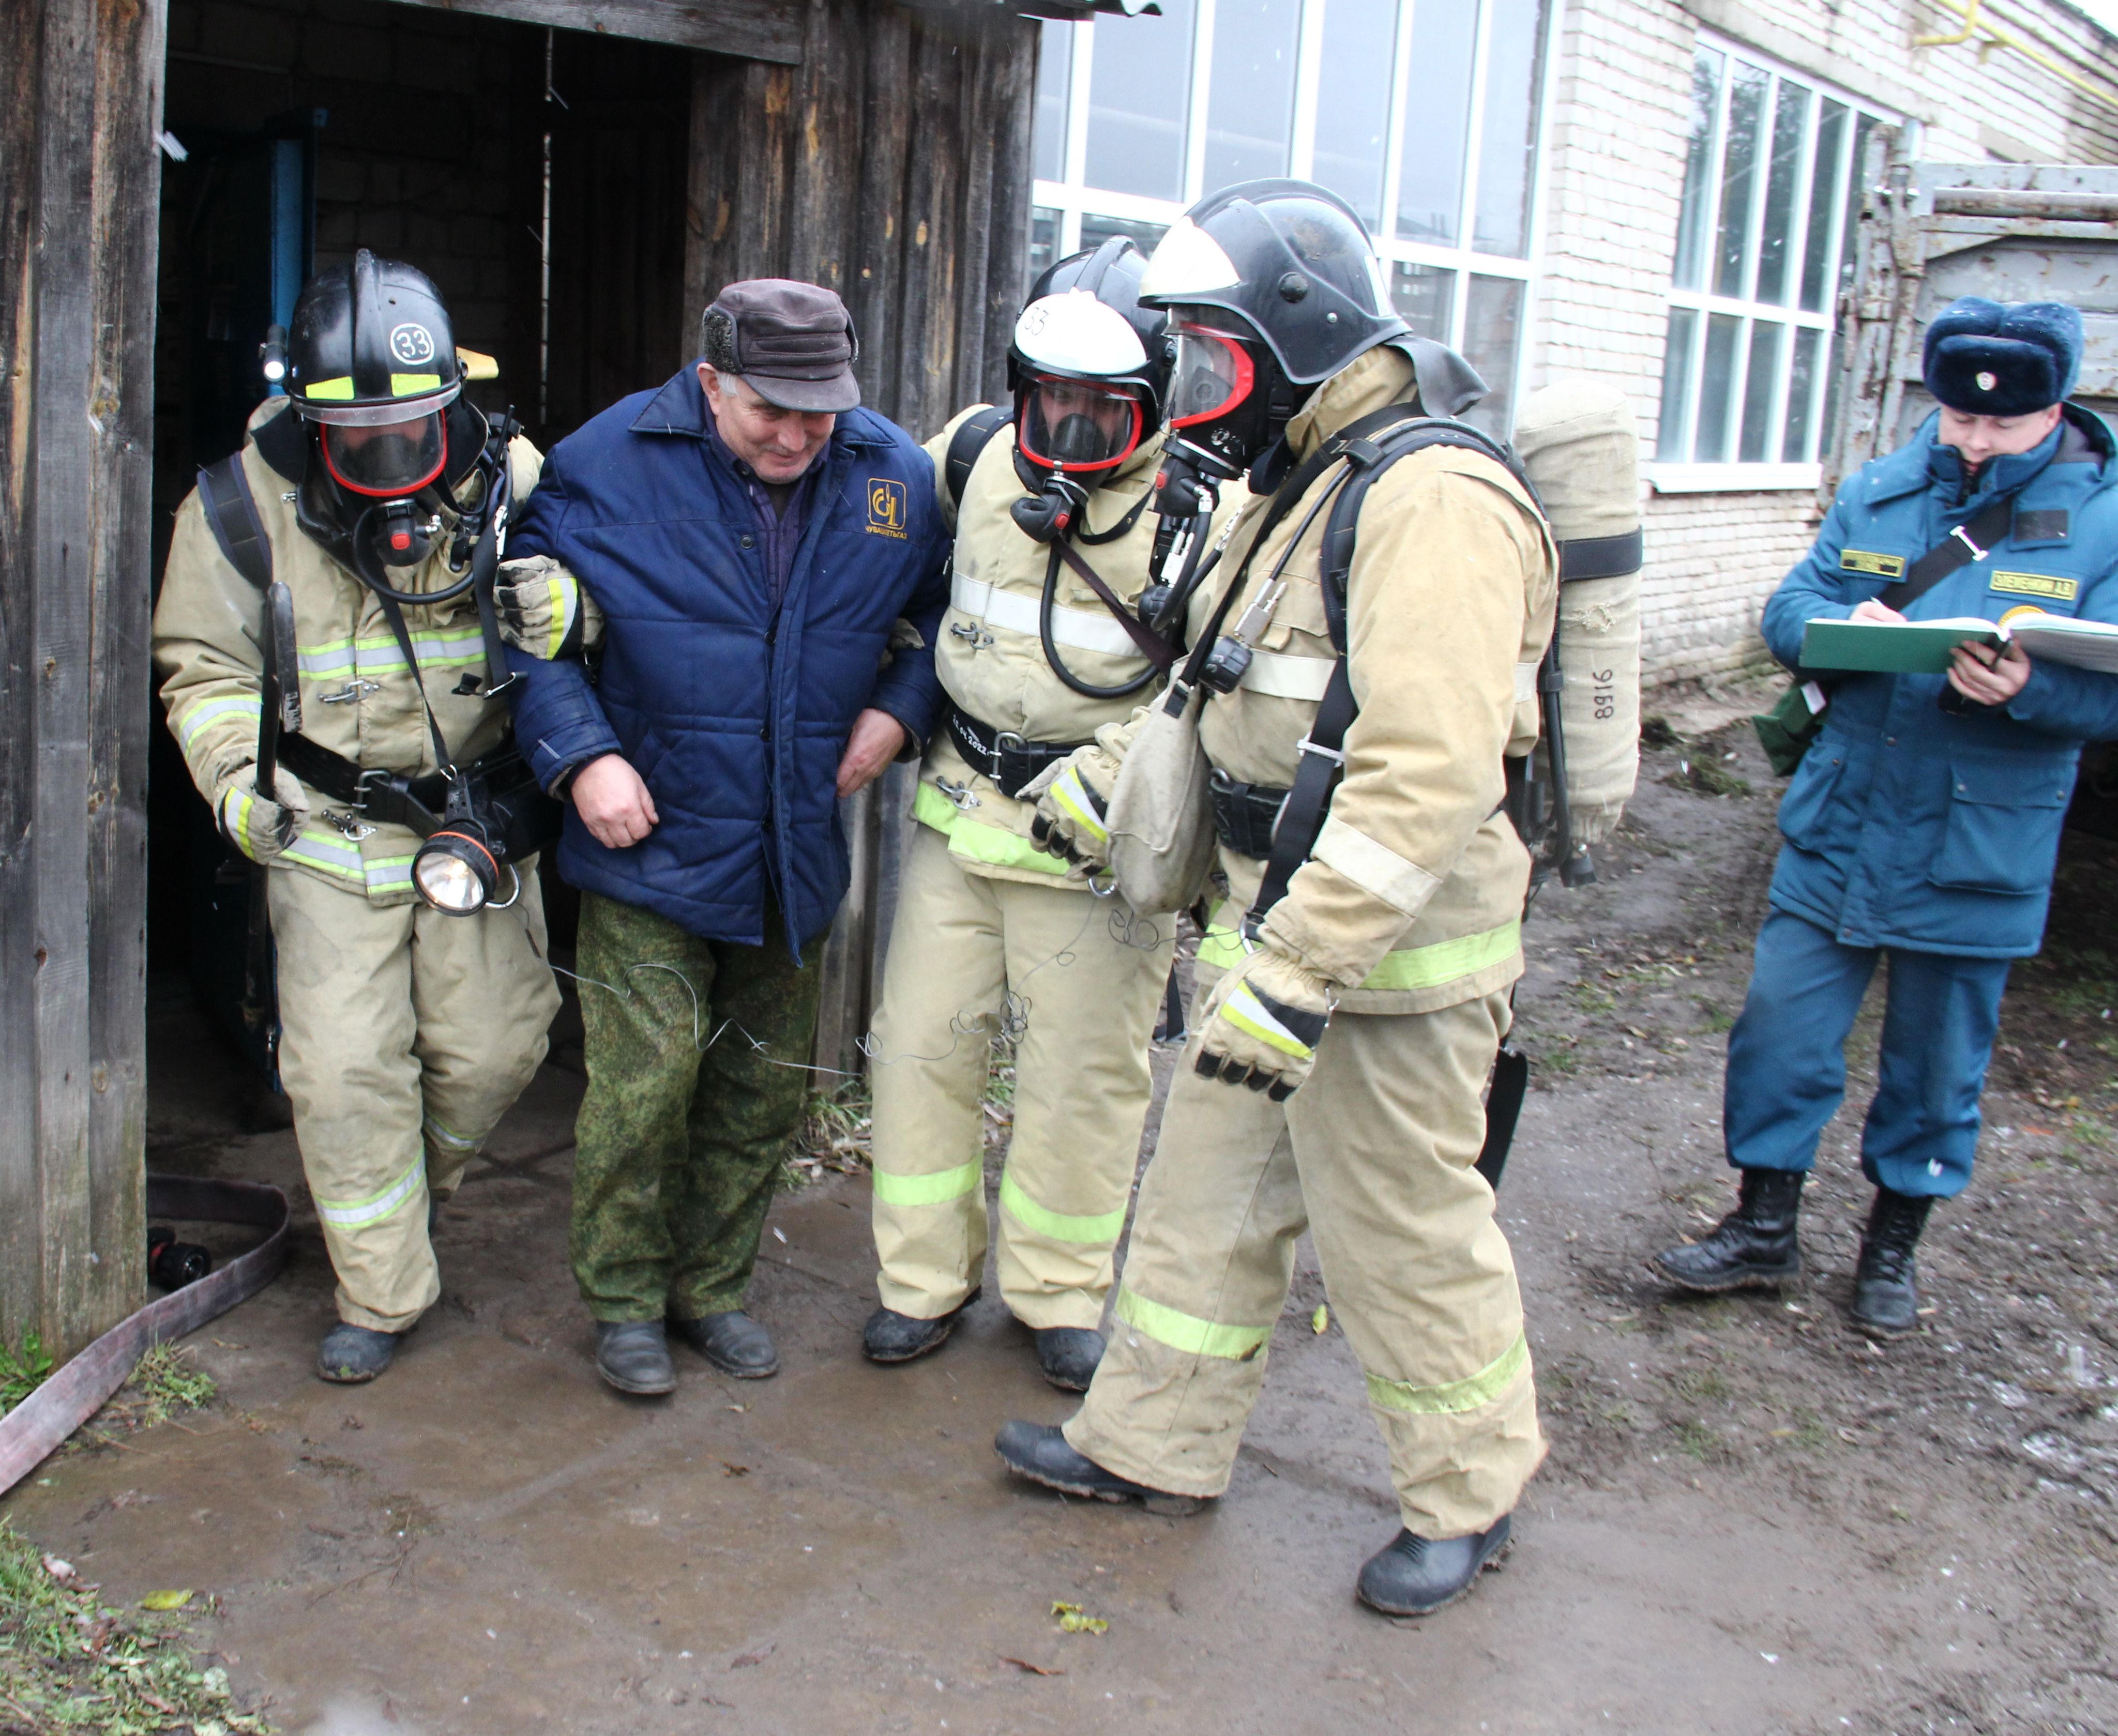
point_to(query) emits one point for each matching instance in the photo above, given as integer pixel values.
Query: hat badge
(1987, 382)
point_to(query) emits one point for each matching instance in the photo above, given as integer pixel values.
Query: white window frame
(1667, 478)
(1072, 198)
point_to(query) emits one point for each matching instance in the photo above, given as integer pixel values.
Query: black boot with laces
(1885, 1302)
(1754, 1247)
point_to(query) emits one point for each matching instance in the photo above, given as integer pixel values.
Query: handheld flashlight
(272, 355)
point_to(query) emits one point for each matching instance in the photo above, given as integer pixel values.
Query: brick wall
(1613, 172)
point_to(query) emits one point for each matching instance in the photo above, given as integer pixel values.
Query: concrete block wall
(1620, 120)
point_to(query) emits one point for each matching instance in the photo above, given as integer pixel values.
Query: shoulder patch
(2037, 584)
(1866, 560)
(2045, 525)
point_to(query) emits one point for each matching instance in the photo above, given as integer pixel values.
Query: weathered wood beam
(748, 30)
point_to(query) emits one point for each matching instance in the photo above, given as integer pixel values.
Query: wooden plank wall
(893, 166)
(80, 178)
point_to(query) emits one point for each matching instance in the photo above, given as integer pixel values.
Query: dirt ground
(1752, 1520)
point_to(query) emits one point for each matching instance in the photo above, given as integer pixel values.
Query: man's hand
(877, 739)
(612, 802)
(261, 828)
(1872, 610)
(1262, 1023)
(1987, 677)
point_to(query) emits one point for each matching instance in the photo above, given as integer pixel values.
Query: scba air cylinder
(1578, 440)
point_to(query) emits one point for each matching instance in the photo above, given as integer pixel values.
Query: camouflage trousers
(689, 1111)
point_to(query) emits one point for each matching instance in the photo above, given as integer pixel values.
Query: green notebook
(1892, 647)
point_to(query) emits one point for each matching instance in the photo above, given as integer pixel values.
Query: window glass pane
(1492, 334)
(1673, 431)
(1426, 296)
(1139, 80)
(1762, 380)
(1352, 102)
(1739, 178)
(1717, 387)
(1437, 117)
(1690, 272)
(1055, 59)
(1776, 235)
(1854, 190)
(1043, 240)
(1249, 111)
(1801, 396)
(1507, 153)
(1095, 231)
(1824, 179)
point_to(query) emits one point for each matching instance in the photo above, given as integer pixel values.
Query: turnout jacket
(735, 714)
(1906, 825)
(990, 656)
(359, 698)
(1412, 898)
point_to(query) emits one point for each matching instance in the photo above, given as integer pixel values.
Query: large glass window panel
(1043, 240)
(1492, 337)
(1824, 179)
(1716, 389)
(1739, 177)
(1138, 87)
(1425, 297)
(1795, 448)
(1437, 118)
(1055, 61)
(1673, 429)
(1856, 167)
(1776, 236)
(1352, 102)
(1250, 106)
(1096, 230)
(1760, 382)
(1507, 152)
(1697, 210)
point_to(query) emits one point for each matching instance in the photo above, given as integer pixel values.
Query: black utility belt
(528, 817)
(1002, 754)
(1245, 813)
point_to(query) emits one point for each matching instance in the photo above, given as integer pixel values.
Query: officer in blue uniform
(1925, 819)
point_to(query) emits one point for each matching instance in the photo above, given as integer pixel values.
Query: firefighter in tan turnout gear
(994, 933)
(407, 1028)
(1353, 987)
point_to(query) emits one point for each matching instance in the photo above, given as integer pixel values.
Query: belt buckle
(370, 778)
(1007, 742)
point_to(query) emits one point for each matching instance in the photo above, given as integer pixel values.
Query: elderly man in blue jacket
(709, 595)
(1925, 819)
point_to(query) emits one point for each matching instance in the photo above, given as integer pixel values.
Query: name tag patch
(2036, 584)
(1863, 560)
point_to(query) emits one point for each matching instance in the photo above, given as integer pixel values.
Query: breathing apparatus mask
(1085, 395)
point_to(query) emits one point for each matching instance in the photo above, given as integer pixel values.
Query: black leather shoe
(1754, 1247)
(1885, 1302)
(1039, 1451)
(732, 1341)
(1067, 1355)
(350, 1355)
(633, 1355)
(1410, 1576)
(890, 1336)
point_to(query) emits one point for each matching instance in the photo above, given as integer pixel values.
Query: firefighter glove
(1262, 1022)
(259, 827)
(1072, 798)
(543, 609)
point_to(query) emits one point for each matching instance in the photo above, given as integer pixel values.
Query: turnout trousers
(1374, 1156)
(404, 1036)
(1083, 978)
(1786, 1057)
(697, 1053)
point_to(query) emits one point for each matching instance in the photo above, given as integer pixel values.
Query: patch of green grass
(1696, 1441)
(21, 1372)
(1715, 1017)
(836, 1129)
(69, 1661)
(1707, 774)
(163, 1382)
(1701, 1386)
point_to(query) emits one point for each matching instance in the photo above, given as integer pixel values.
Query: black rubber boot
(1755, 1246)
(1411, 1575)
(732, 1341)
(1067, 1355)
(351, 1355)
(890, 1336)
(1039, 1451)
(633, 1355)
(1885, 1302)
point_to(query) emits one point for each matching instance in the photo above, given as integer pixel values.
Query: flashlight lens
(449, 882)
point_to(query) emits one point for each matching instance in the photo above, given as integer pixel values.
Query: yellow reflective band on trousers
(1473, 1393)
(991, 845)
(1414, 968)
(1188, 1333)
(350, 1214)
(1088, 1231)
(935, 1190)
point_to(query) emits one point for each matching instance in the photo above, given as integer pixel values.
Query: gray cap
(791, 342)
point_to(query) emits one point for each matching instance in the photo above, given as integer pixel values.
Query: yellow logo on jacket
(885, 508)
(1875, 565)
(2037, 584)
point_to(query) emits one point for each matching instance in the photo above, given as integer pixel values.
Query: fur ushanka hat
(1996, 358)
